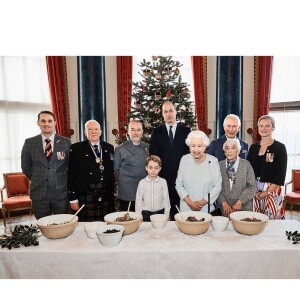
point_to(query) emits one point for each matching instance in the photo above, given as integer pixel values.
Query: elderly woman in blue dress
(199, 179)
(238, 180)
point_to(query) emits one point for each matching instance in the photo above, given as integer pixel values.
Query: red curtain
(199, 67)
(124, 77)
(262, 89)
(57, 77)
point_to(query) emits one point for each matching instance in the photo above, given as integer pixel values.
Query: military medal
(98, 160)
(101, 167)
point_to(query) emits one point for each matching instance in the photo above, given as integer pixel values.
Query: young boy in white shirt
(152, 196)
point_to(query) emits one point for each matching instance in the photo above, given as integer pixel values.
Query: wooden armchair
(17, 190)
(294, 196)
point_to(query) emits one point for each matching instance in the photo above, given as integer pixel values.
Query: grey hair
(267, 117)
(197, 134)
(134, 121)
(232, 116)
(233, 141)
(89, 121)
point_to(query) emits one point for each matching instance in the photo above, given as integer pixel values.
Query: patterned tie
(171, 136)
(230, 170)
(48, 148)
(96, 150)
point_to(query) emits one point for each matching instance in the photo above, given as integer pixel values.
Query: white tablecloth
(167, 253)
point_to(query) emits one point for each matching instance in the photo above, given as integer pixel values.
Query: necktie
(171, 136)
(96, 150)
(48, 148)
(230, 170)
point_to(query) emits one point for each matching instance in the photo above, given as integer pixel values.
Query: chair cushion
(17, 202)
(17, 184)
(292, 197)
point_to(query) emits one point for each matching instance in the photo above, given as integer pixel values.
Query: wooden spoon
(128, 207)
(179, 212)
(77, 213)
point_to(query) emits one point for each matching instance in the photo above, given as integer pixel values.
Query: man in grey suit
(44, 161)
(238, 180)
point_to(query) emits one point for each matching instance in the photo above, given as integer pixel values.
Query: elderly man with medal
(91, 175)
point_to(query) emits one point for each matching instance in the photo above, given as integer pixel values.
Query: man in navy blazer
(232, 125)
(47, 173)
(170, 151)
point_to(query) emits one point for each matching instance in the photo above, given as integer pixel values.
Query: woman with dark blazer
(238, 180)
(268, 158)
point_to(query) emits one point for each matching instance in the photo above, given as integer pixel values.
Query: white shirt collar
(149, 179)
(230, 138)
(51, 137)
(98, 144)
(173, 128)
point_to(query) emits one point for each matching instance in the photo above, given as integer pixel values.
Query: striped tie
(48, 149)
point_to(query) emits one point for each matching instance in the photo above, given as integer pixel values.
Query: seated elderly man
(238, 180)
(198, 179)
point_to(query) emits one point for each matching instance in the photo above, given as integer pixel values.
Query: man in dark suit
(44, 161)
(232, 125)
(91, 175)
(168, 142)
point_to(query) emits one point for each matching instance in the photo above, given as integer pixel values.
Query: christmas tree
(161, 81)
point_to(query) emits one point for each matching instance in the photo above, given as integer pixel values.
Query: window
(285, 107)
(24, 92)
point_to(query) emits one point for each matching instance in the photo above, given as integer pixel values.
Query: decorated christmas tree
(160, 81)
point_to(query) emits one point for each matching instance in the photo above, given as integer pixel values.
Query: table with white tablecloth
(166, 253)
